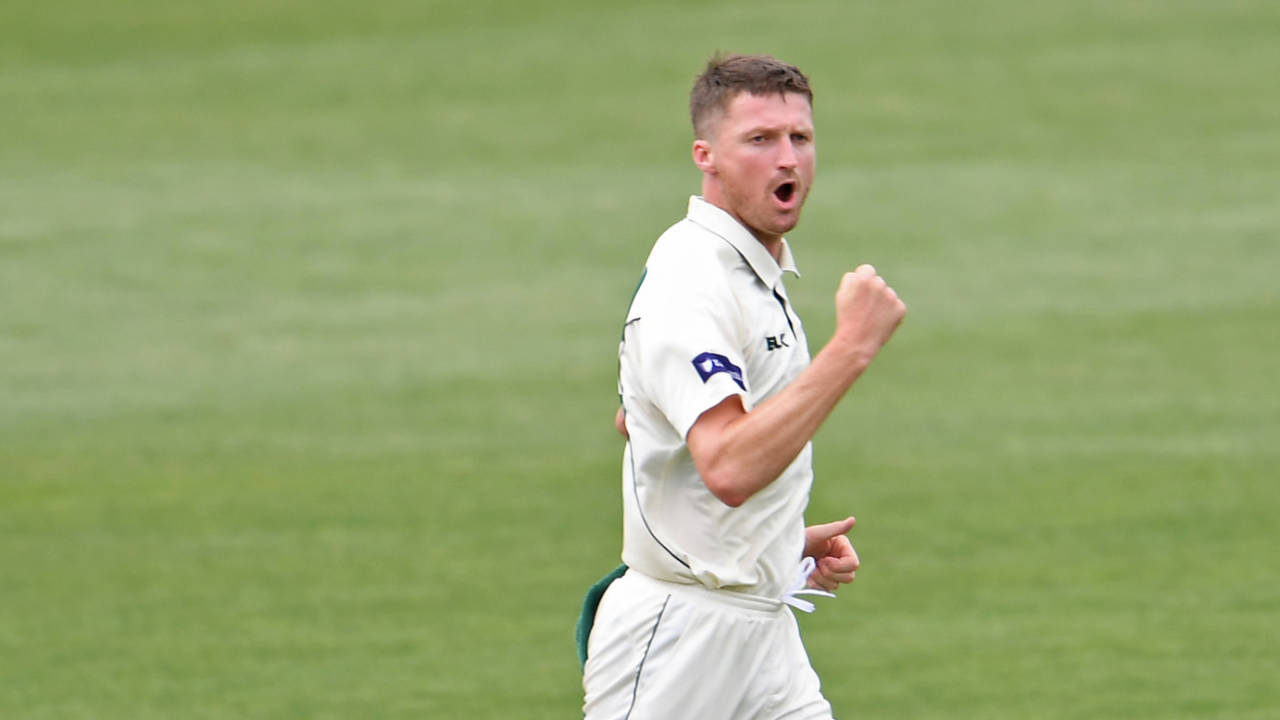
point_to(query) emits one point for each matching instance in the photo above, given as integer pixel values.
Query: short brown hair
(728, 75)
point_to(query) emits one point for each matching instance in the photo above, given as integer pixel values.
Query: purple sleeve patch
(708, 364)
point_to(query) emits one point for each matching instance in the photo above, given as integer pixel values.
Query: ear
(703, 157)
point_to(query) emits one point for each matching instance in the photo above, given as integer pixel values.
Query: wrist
(850, 352)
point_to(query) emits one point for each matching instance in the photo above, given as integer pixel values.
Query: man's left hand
(837, 562)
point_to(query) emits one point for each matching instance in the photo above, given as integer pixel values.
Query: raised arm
(739, 453)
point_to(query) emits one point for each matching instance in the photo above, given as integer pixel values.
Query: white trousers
(664, 651)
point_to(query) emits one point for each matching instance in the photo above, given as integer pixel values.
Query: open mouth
(785, 192)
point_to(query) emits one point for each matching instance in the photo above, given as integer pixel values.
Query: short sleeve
(687, 349)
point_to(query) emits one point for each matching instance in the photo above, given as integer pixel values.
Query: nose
(788, 158)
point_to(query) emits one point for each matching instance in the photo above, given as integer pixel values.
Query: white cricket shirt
(710, 319)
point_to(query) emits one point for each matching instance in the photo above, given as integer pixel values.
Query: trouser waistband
(728, 598)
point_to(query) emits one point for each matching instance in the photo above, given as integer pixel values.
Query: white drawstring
(800, 587)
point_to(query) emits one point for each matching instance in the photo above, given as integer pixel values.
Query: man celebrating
(719, 403)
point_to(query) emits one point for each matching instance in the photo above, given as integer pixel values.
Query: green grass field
(308, 325)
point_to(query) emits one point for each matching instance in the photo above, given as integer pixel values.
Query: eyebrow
(766, 129)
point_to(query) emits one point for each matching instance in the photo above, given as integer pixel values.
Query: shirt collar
(721, 223)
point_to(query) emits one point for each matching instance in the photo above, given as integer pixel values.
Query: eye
(799, 138)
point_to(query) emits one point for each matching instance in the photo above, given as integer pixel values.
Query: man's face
(759, 160)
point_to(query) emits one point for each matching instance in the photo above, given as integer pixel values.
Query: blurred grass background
(308, 318)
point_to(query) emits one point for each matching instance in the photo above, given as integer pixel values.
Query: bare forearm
(739, 453)
(754, 448)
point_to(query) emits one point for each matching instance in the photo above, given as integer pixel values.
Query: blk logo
(773, 342)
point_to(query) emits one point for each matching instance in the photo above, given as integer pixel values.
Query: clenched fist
(867, 312)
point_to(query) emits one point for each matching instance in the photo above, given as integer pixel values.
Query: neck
(772, 243)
